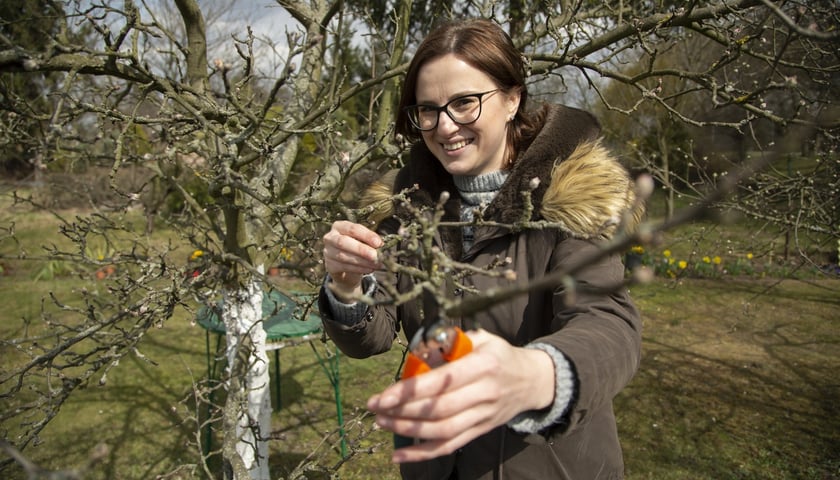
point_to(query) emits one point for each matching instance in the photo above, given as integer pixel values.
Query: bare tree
(769, 95)
(139, 92)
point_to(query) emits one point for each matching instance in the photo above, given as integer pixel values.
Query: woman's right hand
(350, 253)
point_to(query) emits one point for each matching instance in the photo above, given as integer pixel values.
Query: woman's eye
(463, 103)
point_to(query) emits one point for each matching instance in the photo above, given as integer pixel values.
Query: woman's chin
(455, 170)
(458, 167)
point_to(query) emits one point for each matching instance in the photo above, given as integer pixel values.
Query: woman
(534, 398)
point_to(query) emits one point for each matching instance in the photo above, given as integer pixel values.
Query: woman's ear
(512, 99)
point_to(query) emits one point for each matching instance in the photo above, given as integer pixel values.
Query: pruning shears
(433, 346)
(436, 343)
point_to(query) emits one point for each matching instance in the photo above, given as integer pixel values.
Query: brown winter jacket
(586, 192)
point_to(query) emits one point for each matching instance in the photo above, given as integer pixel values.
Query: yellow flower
(707, 260)
(749, 256)
(716, 260)
(286, 253)
(638, 249)
(196, 255)
(670, 261)
(682, 264)
(666, 253)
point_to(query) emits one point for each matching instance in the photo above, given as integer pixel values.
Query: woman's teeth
(454, 146)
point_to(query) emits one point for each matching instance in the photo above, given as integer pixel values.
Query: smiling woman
(533, 399)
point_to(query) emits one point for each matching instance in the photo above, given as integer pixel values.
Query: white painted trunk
(243, 316)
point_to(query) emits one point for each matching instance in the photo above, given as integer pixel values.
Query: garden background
(157, 157)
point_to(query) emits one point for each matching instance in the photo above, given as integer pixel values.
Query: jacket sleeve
(374, 333)
(596, 326)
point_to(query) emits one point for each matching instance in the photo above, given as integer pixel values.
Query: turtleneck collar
(477, 189)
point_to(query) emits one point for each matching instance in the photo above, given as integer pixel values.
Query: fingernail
(372, 402)
(384, 422)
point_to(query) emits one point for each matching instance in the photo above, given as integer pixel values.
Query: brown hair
(485, 46)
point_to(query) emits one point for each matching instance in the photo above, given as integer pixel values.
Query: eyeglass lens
(462, 110)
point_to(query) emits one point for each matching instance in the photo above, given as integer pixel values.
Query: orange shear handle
(446, 344)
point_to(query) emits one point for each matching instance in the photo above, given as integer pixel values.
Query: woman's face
(478, 147)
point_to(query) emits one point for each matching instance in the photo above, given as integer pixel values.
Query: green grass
(743, 386)
(738, 381)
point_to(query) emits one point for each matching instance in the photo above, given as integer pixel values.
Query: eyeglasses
(463, 110)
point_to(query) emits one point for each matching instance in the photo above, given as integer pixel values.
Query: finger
(447, 404)
(447, 378)
(358, 232)
(335, 262)
(429, 449)
(345, 248)
(438, 429)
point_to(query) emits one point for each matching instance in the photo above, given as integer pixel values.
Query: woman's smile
(451, 147)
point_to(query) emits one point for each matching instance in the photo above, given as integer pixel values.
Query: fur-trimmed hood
(579, 184)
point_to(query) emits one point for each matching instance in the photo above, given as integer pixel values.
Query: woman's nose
(445, 123)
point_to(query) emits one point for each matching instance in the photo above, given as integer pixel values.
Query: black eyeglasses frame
(445, 108)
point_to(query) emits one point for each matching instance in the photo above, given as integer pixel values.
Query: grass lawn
(738, 381)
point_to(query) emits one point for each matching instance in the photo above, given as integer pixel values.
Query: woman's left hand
(457, 402)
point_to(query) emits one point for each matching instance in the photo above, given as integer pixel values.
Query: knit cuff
(533, 421)
(349, 314)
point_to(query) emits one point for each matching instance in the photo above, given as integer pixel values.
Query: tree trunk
(664, 155)
(248, 362)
